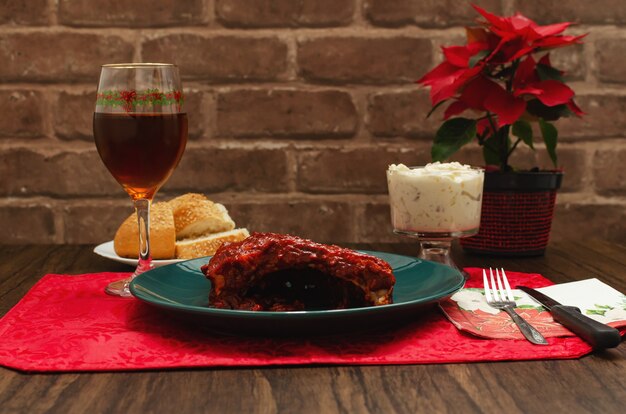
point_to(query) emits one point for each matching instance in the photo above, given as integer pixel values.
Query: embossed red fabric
(67, 323)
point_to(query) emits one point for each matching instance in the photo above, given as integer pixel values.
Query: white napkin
(595, 299)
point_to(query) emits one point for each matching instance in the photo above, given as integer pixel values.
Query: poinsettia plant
(504, 78)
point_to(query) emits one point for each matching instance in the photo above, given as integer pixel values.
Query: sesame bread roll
(195, 215)
(162, 234)
(208, 245)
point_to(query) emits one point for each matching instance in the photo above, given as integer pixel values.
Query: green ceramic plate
(182, 288)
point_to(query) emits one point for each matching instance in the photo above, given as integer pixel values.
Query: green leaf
(550, 136)
(490, 152)
(524, 131)
(473, 61)
(546, 72)
(452, 135)
(548, 113)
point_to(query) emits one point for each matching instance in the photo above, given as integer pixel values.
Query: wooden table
(593, 384)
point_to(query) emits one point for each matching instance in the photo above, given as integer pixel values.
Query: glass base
(435, 247)
(436, 251)
(119, 288)
(122, 287)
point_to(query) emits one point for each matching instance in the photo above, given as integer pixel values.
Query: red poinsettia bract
(469, 74)
(496, 73)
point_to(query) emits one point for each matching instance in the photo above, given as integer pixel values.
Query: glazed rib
(269, 271)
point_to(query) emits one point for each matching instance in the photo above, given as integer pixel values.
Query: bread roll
(207, 245)
(184, 199)
(162, 234)
(195, 215)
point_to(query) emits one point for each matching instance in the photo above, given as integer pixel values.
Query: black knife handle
(597, 334)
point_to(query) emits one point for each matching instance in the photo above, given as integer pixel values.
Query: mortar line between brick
(589, 53)
(291, 71)
(53, 10)
(138, 46)
(51, 146)
(369, 31)
(292, 169)
(581, 87)
(59, 223)
(358, 17)
(322, 32)
(208, 9)
(580, 197)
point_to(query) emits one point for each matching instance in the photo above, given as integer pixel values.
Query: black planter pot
(516, 214)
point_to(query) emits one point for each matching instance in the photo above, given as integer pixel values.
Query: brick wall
(296, 108)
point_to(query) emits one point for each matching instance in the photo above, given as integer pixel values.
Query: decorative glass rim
(137, 65)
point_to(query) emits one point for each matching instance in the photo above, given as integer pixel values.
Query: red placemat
(67, 323)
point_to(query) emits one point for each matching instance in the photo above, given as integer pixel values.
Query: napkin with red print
(468, 309)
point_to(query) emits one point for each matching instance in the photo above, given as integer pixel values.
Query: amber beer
(140, 150)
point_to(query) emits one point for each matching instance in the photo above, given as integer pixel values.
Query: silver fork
(502, 298)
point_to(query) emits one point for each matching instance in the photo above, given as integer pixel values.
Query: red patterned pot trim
(513, 222)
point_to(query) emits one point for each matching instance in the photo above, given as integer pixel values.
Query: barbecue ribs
(277, 272)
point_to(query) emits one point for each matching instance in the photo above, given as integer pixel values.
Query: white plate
(106, 250)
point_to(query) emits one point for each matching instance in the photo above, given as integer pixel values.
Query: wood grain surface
(592, 384)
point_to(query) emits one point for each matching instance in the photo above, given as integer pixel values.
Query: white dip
(436, 198)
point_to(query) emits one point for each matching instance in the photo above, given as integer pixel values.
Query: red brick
(364, 60)
(375, 225)
(570, 60)
(137, 13)
(213, 170)
(220, 58)
(28, 13)
(26, 109)
(284, 13)
(56, 173)
(609, 173)
(600, 119)
(94, 222)
(321, 220)
(27, 223)
(402, 114)
(56, 56)
(609, 55)
(573, 161)
(285, 113)
(598, 221)
(73, 115)
(353, 170)
(442, 13)
(580, 11)
(199, 106)
(472, 154)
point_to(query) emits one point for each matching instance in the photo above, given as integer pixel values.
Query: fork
(502, 298)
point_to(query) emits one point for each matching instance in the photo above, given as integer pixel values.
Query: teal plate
(182, 288)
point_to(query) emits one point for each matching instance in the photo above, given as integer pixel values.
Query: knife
(597, 334)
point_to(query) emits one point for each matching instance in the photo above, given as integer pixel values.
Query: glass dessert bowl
(435, 203)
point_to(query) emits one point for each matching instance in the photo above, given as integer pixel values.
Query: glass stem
(436, 251)
(142, 207)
